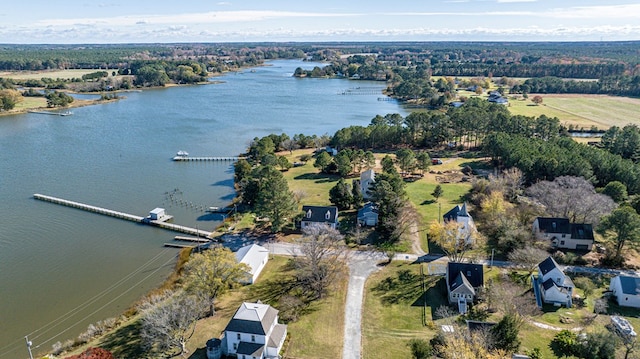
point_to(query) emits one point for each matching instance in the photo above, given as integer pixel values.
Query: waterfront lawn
(317, 334)
(307, 181)
(393, 310)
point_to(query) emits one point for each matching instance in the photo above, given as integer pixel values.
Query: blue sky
(146, 21)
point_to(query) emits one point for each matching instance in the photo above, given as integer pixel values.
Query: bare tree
(573, 198)
(322, 260)
(290, 145)
(510, 182)
(168, 321)
(528, 257)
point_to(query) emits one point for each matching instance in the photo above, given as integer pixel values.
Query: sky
(163, 21)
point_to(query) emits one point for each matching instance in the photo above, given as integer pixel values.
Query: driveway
(361, 265)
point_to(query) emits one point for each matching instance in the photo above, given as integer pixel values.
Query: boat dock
(206, 158)
(126, 216)
(51, 113)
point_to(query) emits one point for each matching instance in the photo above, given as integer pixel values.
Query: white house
(366, 181)
(563, 234)
(314, 215)
(554, 286)
(460, 214)
(462, 281)
(255, 257)
(626, 289)
(254, 333)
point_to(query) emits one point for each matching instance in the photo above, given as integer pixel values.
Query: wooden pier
(206, 158)
(205, 235)
(67, 113)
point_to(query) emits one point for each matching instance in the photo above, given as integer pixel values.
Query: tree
(448, 237)
(437, 192)
(623, 225)
(323, 258)
(356, 194)
(406, 159)
(9, 99)
(537, 99)
(340, 195)
(387, 165)
(58, 99)
(211, 273)
(343, 163)
(168, 321)
(423, 162)
(323, 160)
(528, 257)
(290, 145)
(505, 333)
(274, 199)
(616, 190)
(564, 343)
(599, 345)
(420, 349)
(586, 285)
(573, 198)
(283, 163)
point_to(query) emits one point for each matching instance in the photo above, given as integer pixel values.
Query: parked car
(436, 161)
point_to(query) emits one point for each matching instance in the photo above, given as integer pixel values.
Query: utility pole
(29, 344)
(492, 252)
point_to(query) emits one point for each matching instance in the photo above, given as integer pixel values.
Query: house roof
(253, 318)
(630, 285)
(277, 335)
(368, 175)
(252, 349)
(455, 212)
(320, 214)
(461, 281)
(473, 273)
(554, 225)
(368, 208)
(547, 266)
(582, 231)
(252, 256)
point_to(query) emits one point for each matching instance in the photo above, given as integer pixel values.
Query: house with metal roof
(368, 215)
(626, 289)
(254, 333)
(366, 182)
(255, 257)
(462, 281)
(554, 286)
(314, 215)
(563, 234)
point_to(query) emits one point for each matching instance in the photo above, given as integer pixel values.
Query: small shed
(157, 214)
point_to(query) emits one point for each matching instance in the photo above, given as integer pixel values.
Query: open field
(53, 74)
(582, 111)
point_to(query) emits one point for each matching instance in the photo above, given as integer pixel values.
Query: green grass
(308, 180)
(582, 111)
(392, 313)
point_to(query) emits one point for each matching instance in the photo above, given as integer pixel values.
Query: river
(61, 268)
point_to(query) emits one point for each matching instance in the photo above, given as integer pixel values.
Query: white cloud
(597, 12)
(510, 1)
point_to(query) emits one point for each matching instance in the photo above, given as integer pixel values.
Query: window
(327, 215)
(239, 336)
(468, 273)
(309, 214)
(564, 235)
(562, 242)
(235, 346)
(253, 338)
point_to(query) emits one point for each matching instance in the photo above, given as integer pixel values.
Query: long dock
(126, 216)
(51, 113)
(206, 158)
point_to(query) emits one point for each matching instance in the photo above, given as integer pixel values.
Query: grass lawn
(582, 111)
(53, 74)
(308, 180)
(393, 309)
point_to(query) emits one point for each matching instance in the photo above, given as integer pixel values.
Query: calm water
(61, 268)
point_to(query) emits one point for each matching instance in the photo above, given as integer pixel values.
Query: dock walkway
(206, 158)
(125, 216)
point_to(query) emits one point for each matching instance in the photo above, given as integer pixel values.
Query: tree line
(624, 85)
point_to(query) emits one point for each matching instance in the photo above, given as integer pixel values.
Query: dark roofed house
(460, 214)
(254, 333)
(462, 281)
(368, 215)
(563, 234)
(314, 215)
(552, 284)
(626, 289)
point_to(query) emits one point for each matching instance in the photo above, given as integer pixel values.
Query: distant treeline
(624, 85)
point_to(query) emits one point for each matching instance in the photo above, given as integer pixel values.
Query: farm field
(582, 111)
(53, 74)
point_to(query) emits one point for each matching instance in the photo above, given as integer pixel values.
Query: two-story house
(462, 281)
(554, 286)
(254, 333)
(563, 234)
(467, 227)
